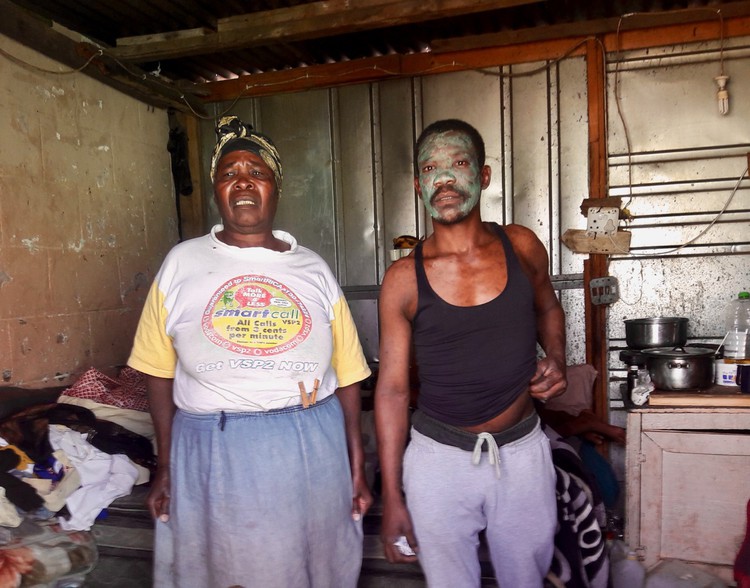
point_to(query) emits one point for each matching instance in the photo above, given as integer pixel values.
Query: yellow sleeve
(348, 359)
(153, 352)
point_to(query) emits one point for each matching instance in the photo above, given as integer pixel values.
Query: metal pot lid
(678, 352)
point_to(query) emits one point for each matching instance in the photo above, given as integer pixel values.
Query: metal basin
(645, 333)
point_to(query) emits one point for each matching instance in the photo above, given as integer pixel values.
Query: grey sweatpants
(451, 500)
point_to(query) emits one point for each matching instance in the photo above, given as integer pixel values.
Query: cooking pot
(664, 331)
(680, 368)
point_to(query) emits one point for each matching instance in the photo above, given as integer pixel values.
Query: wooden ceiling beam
(38, 34)
(398, 66)
(295, 23)
(630, 22)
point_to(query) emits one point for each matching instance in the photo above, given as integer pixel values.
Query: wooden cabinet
(688, 483)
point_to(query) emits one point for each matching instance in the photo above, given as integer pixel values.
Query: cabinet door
(693, 493)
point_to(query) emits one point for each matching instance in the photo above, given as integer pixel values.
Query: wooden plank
(301, 22)
(596, 266)
(649, 544)
(695, 418)
(194, 207)
(637, 30)
(37, 34)
(418, 64)
(633, 480)
(673, 399)
(577, 241)
(701, 442)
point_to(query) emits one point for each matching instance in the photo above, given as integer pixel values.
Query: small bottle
(632, 376)
(625, 569)
(737, 324)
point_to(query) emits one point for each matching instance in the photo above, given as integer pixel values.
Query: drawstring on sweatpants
(493, 453)
(222, 420)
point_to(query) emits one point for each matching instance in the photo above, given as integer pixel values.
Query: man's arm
(392, 401)
(585, 424)
(351, 403)
(162, 408)
(549, 379)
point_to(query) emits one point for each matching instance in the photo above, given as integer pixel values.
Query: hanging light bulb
(722, 95)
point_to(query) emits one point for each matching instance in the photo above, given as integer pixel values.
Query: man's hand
(597, 431)
(397, 523)
(548, 381)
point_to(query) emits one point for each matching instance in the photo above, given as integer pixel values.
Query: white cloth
(104, 477)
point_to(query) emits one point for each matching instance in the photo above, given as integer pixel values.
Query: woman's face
(245, 193)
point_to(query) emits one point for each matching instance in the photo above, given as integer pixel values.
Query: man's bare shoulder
(398, 293)
(530, 250)
(400, 273)
(519, 232)
(524, 240)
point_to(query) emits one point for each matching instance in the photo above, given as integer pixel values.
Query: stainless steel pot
(679, 368)
(663, 331)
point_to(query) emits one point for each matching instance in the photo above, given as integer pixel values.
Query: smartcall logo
(256, 315)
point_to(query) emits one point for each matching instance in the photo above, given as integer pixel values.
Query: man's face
(245, 193)
(450, 179)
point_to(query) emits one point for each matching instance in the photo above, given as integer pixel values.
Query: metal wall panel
(300, 125)
(400, 211)
(678, 165)
(668, 98)
(355, 186)
(348, 167)
(473, 97)
(573, 161)
(534, 105)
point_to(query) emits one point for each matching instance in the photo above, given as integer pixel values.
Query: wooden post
(596, 265)
(193, 208)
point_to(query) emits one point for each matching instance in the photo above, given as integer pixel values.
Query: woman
(253, 367)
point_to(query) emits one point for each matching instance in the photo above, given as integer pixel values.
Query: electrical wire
(700, 234)
(37, 69)
(626, 130)
(618, 60)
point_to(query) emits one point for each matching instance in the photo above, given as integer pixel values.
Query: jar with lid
(737, 325)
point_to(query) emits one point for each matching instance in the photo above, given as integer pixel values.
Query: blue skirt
(260, 499)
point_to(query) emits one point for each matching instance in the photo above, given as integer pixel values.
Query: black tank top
(474, 361)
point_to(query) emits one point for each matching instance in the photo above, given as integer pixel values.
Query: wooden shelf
(712, 397)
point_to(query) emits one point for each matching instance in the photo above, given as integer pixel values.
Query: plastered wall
(87, 214)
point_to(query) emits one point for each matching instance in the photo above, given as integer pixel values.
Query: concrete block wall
(87, 213)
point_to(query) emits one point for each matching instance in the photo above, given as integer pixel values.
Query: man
(252, 365)
(473, 299)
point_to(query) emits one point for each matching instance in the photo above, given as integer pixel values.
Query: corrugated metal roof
(188, 42)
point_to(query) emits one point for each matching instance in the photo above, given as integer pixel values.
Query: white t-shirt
(239, 328)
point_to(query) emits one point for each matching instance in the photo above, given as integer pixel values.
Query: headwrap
(234, 135)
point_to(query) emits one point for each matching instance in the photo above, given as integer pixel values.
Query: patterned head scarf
(234, 135)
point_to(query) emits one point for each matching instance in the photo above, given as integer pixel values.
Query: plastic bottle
(737, 323)
(625, 569)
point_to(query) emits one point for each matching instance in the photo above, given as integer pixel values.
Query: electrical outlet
(602, 221)
(604, 290)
